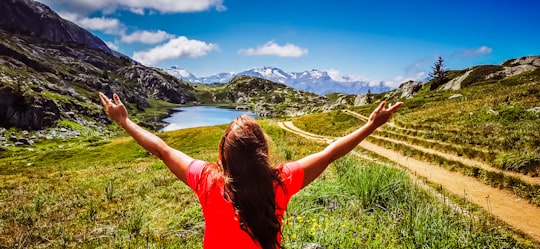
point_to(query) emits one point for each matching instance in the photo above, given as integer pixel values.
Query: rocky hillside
(486, 74)
(262, 96)
(511, 72)
(53, 72)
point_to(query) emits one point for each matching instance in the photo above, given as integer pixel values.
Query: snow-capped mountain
(315, 81)
(181, 74)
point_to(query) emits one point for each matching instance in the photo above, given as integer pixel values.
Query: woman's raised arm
(175, 160)
(316, 163)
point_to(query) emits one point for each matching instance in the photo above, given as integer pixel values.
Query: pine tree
(438, 75)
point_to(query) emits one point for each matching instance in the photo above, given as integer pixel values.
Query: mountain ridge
(316, 81)
(40, 21)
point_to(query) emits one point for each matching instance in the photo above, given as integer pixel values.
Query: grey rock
(361, 99)
(492, 112)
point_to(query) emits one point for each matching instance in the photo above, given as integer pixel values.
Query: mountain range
(316, 81)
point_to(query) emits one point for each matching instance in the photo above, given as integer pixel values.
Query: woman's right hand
(381, 115)
(116, 111)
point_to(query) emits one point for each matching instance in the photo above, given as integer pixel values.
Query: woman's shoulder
(292, 171)
(195, 171)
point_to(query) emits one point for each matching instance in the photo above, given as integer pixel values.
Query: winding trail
(504, 205)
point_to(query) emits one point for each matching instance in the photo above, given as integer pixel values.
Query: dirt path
(405, 130)
(466, 161)
(516, 212)
(453, 157)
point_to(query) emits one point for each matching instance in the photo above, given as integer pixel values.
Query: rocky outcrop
(30, 113)
(517, 66)
(455, 83)
(145, 82)
(405, 90)
(362, 99)
(482, 73)
(37, 19)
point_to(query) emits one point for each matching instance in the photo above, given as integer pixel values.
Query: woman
(243, 198)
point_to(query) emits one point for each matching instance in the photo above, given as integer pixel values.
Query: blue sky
(381, 40)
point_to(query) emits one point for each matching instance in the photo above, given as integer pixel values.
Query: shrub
(518, 161)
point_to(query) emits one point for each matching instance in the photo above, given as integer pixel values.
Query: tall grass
(377, 206)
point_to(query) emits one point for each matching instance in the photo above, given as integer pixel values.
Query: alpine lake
(196, 116)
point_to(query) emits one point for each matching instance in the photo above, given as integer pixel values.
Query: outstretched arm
(315, 164)
(175, 160)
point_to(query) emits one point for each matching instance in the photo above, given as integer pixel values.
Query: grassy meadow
(490, 123)
(110, 193)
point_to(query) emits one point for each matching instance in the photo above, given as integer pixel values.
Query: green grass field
(113, 194)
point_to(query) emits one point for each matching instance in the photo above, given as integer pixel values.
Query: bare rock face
(455, 83)
(36, 19)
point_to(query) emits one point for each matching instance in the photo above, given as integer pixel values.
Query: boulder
(361, 99)
(455, 83)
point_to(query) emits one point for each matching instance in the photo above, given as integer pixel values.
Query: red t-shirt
(222, 228)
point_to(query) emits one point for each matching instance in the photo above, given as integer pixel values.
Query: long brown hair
(249, 180)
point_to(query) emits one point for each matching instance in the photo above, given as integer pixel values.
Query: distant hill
(315, 81)
(266, 98)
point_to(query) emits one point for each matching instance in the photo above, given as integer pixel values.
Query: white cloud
(400, 79)
(336, 75)
(475, 51)
(272, 48)
(172, 6)
(106, 25)
(137, 6)
(175, 48)
(147, 37)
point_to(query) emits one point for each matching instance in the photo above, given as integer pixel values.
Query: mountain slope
(36, 19)
(53, 72)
